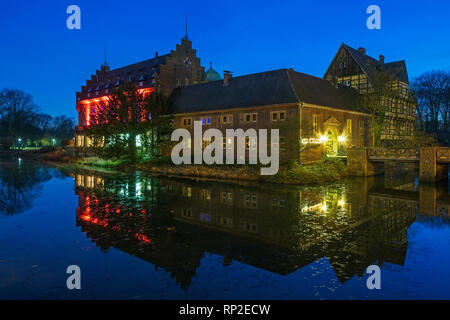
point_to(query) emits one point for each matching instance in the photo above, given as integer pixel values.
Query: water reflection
(20, 184)
(173, 223)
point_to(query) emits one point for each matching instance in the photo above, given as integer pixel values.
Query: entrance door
(332, 143)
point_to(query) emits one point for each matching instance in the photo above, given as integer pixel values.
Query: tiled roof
(367, 64)
(140, 71)
(281, 86)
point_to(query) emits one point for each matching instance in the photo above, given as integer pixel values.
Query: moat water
(135, 236)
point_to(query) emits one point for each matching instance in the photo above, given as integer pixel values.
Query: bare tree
(17, 114)
(432, 92)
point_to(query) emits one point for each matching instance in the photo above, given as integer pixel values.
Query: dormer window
(130, 78)
(107, 86)
(117, 83)
(142, 77)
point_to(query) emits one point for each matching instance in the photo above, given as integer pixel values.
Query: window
(282, 143)
(80, 141)
(187, 143)
(227, 197)
(250, 143)
(227, 143)
(251, 201)
(205, 194)
(187, 122)
(205, 217)
(226, 221)
(315, 123)
(250, 117)
(278, 115)
(349, 127)
(361, 126)
(177, 83)
(206, 120)
(250, 226)
(274, 116)
(186, 82)
(186, 191)
(186, 213)
(227, 119)
(278, 203)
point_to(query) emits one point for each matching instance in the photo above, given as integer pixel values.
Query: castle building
(354, 68)
(315, 116)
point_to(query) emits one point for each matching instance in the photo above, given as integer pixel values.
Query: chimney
(156, 54)
(227, 77)
(362, 50)
(381, 59)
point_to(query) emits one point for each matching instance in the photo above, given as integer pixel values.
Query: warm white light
(341, 203)
(341, 139)
(323, 138)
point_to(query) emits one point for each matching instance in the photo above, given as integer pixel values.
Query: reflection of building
(172, 224)
(315, 116)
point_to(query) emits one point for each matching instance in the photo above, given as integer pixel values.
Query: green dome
(211, 74)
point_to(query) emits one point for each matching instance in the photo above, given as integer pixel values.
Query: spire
(186, 26)
(105, 65)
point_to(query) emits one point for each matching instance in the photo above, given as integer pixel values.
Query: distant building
(315, 116)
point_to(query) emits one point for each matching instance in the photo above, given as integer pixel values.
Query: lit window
(349, 127)
(250, 143)
(206, 120)
(186, 191)
(227, 143)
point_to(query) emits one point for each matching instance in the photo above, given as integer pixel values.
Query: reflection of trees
(20, 185)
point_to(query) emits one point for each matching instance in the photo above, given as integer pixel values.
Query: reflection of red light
(143, 237)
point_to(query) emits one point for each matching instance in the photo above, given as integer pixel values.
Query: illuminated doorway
(332, 145)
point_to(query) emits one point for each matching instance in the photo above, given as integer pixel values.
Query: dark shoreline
(323, 172)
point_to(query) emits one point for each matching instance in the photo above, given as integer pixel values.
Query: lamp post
(53, 142)
(20, 141)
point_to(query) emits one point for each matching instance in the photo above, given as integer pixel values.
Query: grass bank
(323, 171)
(327, 170)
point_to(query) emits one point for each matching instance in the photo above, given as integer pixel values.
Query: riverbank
(323, 171)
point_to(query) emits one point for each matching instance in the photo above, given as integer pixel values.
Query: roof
(211, 74)
(282, 86)
(367, 64)
(140, 71)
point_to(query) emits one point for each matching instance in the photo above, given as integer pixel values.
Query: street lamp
(53, 141)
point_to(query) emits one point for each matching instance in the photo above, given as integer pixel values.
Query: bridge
(433, 161)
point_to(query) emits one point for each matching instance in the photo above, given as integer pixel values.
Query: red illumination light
(87, 102)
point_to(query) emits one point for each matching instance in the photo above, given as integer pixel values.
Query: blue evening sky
(39, 55)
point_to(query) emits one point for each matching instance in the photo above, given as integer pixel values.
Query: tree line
(22, 124)
(432, 93)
